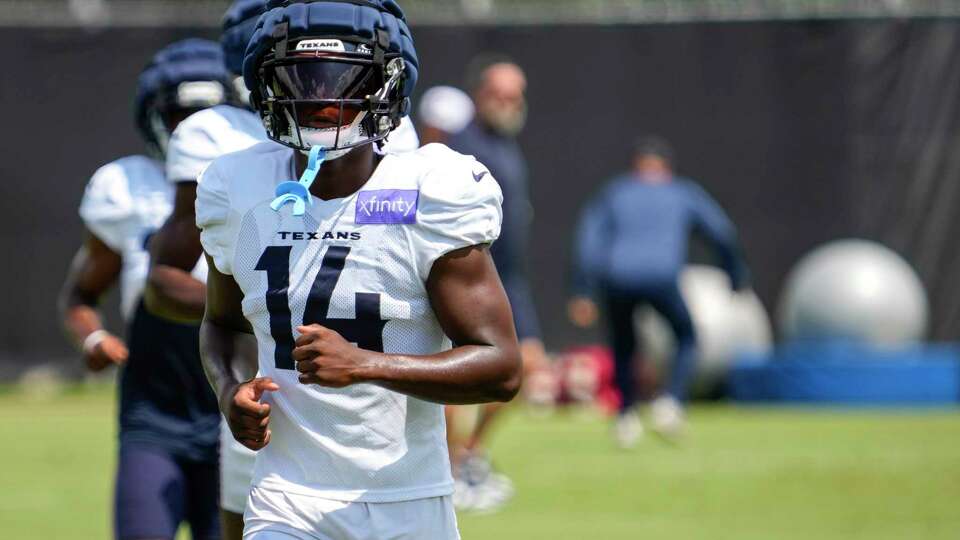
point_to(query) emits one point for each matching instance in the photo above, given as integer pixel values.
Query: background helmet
(239, 22)
(182, 78)
(333, 73)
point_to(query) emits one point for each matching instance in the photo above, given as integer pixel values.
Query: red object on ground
(587, 375)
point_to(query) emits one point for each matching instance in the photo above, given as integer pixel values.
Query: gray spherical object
(854, 289)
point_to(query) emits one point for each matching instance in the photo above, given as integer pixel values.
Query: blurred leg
(669, 303)
(457, 433)
(531, 348)
(533, 356)
(203, 500)
(620, 309)
(150, 494)
(488, 412)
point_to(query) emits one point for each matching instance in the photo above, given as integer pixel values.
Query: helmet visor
(317, 87)
(325, 79)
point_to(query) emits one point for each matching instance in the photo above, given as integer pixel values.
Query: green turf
(741, 474)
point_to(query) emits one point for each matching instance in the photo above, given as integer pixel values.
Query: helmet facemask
(330, 93)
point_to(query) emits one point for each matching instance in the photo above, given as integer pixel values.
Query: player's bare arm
(472, 308)
(171, 290)
(225, 340)
(94, 270)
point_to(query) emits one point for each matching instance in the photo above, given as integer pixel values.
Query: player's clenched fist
(323, 357)
(249, 419)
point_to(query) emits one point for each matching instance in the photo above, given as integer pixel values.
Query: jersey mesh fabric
(362, 442)
(123, 204)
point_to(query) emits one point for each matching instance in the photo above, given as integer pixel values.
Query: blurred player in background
(498, 88)
(444, 111)
(631, 246)
(172, 291)
(351, 280)
(167, 468)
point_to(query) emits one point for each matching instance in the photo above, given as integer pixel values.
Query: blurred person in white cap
(497, 86)
(444, 111)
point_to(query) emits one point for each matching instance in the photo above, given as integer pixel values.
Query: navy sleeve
(710, 219)
(590, 249)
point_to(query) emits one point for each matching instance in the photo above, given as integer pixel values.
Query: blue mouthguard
(298, 193)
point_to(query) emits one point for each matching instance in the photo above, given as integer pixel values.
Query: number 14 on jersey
(366, 330)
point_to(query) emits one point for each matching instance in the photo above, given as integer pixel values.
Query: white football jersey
(125, 202)
(197, 141)
(208, 134)
(357, 265)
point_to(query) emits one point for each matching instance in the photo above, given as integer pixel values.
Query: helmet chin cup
(331, 155)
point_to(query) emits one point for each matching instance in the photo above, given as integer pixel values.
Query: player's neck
(343, 176)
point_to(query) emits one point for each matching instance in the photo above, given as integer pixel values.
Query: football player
(172, 291)
(167, 467)
(354, 281)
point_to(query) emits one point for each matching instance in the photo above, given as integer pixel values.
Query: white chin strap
(327, 138)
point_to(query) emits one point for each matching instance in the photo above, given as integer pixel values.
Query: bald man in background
(498, 86)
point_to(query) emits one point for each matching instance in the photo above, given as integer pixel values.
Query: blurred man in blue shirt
(631, 246)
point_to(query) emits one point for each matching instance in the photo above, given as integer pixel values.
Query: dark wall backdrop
(804, 131)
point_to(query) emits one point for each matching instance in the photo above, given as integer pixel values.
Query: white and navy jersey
(124, 203)
(208, 134)
(357, 265)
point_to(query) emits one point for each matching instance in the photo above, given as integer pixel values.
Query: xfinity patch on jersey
(387, 207)
(334, 45)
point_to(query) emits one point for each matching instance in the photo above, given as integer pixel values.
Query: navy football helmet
(181, 79)
(331, 73)
(239, 22)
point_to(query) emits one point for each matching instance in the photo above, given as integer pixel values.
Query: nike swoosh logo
(479, 176)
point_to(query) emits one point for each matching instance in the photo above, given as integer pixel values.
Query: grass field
(741, 474)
